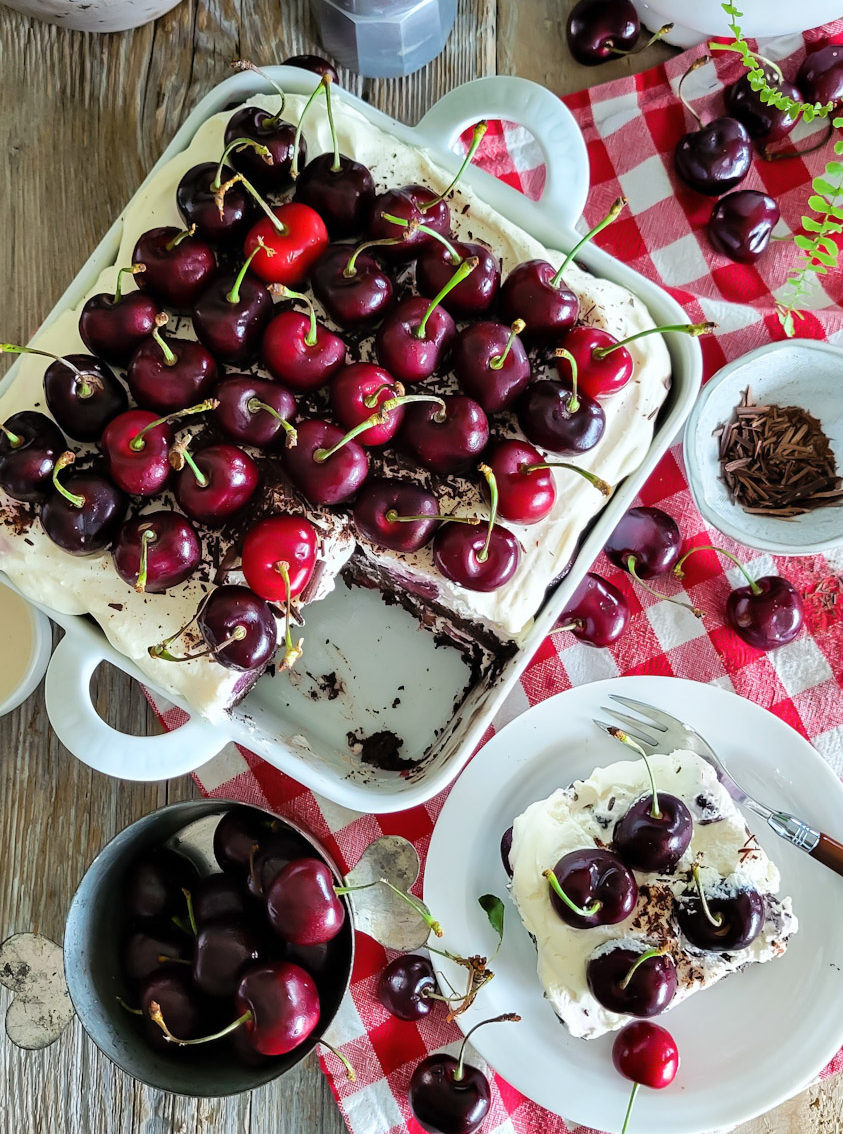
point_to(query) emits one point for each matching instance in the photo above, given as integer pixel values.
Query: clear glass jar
(384, 38)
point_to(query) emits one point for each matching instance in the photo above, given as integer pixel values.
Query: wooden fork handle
(829, 852)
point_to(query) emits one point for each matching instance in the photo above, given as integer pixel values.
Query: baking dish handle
(549, 121)
(80, 728)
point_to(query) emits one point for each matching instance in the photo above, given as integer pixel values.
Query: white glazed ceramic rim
(39, 659)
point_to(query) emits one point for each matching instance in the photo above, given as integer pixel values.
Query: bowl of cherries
(207, 949)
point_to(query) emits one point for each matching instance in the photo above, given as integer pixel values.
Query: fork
(660, 732)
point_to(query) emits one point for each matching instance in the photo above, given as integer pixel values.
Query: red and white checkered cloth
(631, 127)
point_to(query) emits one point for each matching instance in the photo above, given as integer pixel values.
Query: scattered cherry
(645, 543)
(820, 76)
(714, 157)
(505, 849)
(597, 613)
(597, 31)
(646, 1054)
(763, 121)
(405, 986)
(741, 224)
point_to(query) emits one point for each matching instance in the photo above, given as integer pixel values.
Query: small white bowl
(40, 647)
(800, 372)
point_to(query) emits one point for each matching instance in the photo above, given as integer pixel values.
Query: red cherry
(523, 497)
(597, 375)
(137, 447)
(284, 1004)
(379, 504)
(289, 539)
(647, 1054)
(216, 483)
(298, 240)
(323, 464)
(414, 338)
(459, 550)
(302, 904)
(357, 392)
(299, 351)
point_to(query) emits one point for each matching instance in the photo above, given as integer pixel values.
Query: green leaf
(830, 245)
(825, 187)
(838, 147)
(825, 258)
(808, 112)
(811, 225)
(804, 242)
(493, 908)
(837, 123)
(834, 167)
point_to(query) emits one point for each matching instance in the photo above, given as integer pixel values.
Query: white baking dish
(395, 677)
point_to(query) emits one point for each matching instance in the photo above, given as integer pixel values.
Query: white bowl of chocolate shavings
(763, 448)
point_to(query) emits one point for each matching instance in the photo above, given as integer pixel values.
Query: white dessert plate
(746, 1044)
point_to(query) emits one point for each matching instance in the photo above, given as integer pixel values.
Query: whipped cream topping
(584, 815)
(132, 622)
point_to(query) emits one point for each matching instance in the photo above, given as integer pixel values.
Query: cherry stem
(255, 405)
(179, 237)
(414, 226)
(148, 536)
(598, 482)
(291, 652)
(392, 517)
(496, 361)
(128, 1007)
(350, 1073)
(371, 400)
(412, 901)
(507, 1017)
(191, 916)
(695, 66)
(492, 482)
(625, 738)
(632, 1098)
(134, 270)
(10, 348)
(219, 197)
(170, 357)
(350, 271)
(63, 461)
(795, 151)
(583, 911)
(716, 919)
(633, 570)
(288, 293)
(573, 400)
(237, 144)
(612, 215)
(14, 440)
(234, 295)
(156, 1017)
(329, 109)
(320, 86)
(161, 650)
(657, 35)
(650, 953)
(137, 443)
(574, 624)
(163, 959)
(247, 65)
(476, 138)
(680, 574)
(378, 418)
(163, 654)
(465, 269)
(187, 457)
(695, 330)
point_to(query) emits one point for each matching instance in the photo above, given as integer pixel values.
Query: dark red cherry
(271, 131)
(341, 190)
(413, 339)
(434, 209)
(30, 443)
(301, 352)
(472, 296)
(154, 882)
(178, 265)
(403, 204)
(314, 63)
(535, 292)
(217, 896)
(355, 289)
(654, 842)
(524, 497)
(715, 157)
(766, 614)
(168, 375)
(763, 121)
(646, 542)
(151, 947)
(553, 416)
(137, 448)
(360, 390)
(446, 440)
(216, 483)
(463, 555)
(405, 985)
(740, 914)
(252, 411)
(112, 326)
(505, 848)
(83, 513)
(741, 224)
(325, 477)
(449, 1098)
(598, 31)
(239, 831)
(597, 613)
(284, 1006)
(649, 989)
(646, 1054)
(274, 854)
(172, 990)
(491, 364)
(598, 883)
(382, 498)
(238, 627)
(820, 76)
(301, 904)
(221, 951)
(230, 316)
(83, 395)
(156, 551)
(197, 204)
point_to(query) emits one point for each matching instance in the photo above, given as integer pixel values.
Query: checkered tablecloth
(631, 127)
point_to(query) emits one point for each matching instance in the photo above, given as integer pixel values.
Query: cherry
(290, 238)
(560, 417)
(230, 316)
(237, 833)
(152, 947)
(724, 921)
(535, 291)
(269, 130)
(172, 992)
(280, 539)
(326, 465)
(84, 513)
(217, 896)
(156, 551)
(645, 543)
(178, 265)
(405, 986)
(313, 63)
(255, 412)
(741, 224)
(821, 75)
(446, 438)
(397, 514)
(238, 627)
(491, 364)
(473, 295)
(318, 960)
(298, 350)
(154, 882)
(82, 393)
(591, 887)
(216, 483)
(716, 156)
(505, 848)
(631, 982)
(472, 558)
(763, 121)
(656, 830)
(597, 31)
(414, 337)
(270, 860)
(210, 198)
(170, 375)
(30, 443)
(340, 189)
(361, 389)
(449, 1096)
(137, 448)
(526, 495)
(302, 905)
(354, 289)
(221, 951)
(112, 327)
(646, 1054)
(597, 613)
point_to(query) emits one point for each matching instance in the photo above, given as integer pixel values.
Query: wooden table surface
(83, 118)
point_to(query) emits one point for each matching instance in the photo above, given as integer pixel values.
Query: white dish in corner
(800, 372)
